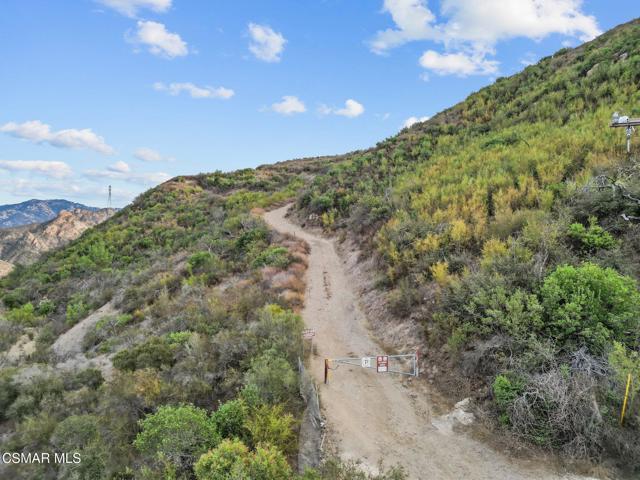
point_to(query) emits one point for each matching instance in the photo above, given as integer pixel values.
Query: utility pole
(109, 202)
(627, 123)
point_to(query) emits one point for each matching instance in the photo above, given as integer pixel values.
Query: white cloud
(47, 168)
(130, 7)
(289, 105)
(458, 64)
(351, 109)
(473, 28)
(490, 21)
(119, 167)
(413, 120)
(150, 178)
(150, 155)
(159, 40)
(266, 44)
(413, 20)
(194, 91)
(37, 132)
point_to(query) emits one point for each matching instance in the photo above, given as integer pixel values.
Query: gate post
(326, 370)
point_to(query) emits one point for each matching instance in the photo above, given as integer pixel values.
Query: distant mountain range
(24, 244)
(36, 211)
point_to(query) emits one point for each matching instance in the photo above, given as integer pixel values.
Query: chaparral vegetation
(163, 343)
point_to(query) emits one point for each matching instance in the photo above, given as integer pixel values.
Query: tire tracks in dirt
(374, 417)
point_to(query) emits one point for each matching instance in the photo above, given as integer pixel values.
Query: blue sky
(132, 92)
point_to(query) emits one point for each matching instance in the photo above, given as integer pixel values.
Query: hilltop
(504, 230)
(492, 233)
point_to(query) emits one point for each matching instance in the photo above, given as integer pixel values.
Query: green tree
(179, 434)
(230, 419)
(273, 377)
(268, 463)
(270, 424)
(80, 434)
(229, 461)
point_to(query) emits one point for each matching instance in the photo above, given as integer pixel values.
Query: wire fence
(310, 438)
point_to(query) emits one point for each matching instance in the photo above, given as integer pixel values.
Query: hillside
(24, 245)
(166, 339)
(35, 211)
(506, 229)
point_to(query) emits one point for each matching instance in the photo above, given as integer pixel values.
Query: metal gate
(401, 364)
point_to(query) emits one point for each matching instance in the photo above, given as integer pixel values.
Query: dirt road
(379, 417)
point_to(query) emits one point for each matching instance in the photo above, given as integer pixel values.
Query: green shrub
(15, 298)
(517, 314)
(123, 320)
(270, 424)
(179, 338)
(207, 265)
(590, 305)
(230, 419)
(76, 310)
(279, 330)
(272, 376)
(80, 434)
(229, 461)
(268, 463)
(179, 434)
(89, 377)
(273, 256)
(505, 390)
(626, 362)
(24, 315)
(592, 238)
(45, 307)
(32, 395)
(8, 392)
(156, 352)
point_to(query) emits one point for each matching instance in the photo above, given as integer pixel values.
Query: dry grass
(295, 299)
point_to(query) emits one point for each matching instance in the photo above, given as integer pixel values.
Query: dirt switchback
(379, 417)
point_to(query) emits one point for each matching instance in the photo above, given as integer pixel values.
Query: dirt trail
(374, 417)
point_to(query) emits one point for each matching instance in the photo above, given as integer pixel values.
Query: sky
(130, 93)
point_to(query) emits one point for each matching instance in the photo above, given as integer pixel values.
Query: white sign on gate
(366, 362)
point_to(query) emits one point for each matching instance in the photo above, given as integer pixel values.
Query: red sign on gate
(382, 363)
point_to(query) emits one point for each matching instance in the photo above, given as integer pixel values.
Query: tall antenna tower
(109, 201)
